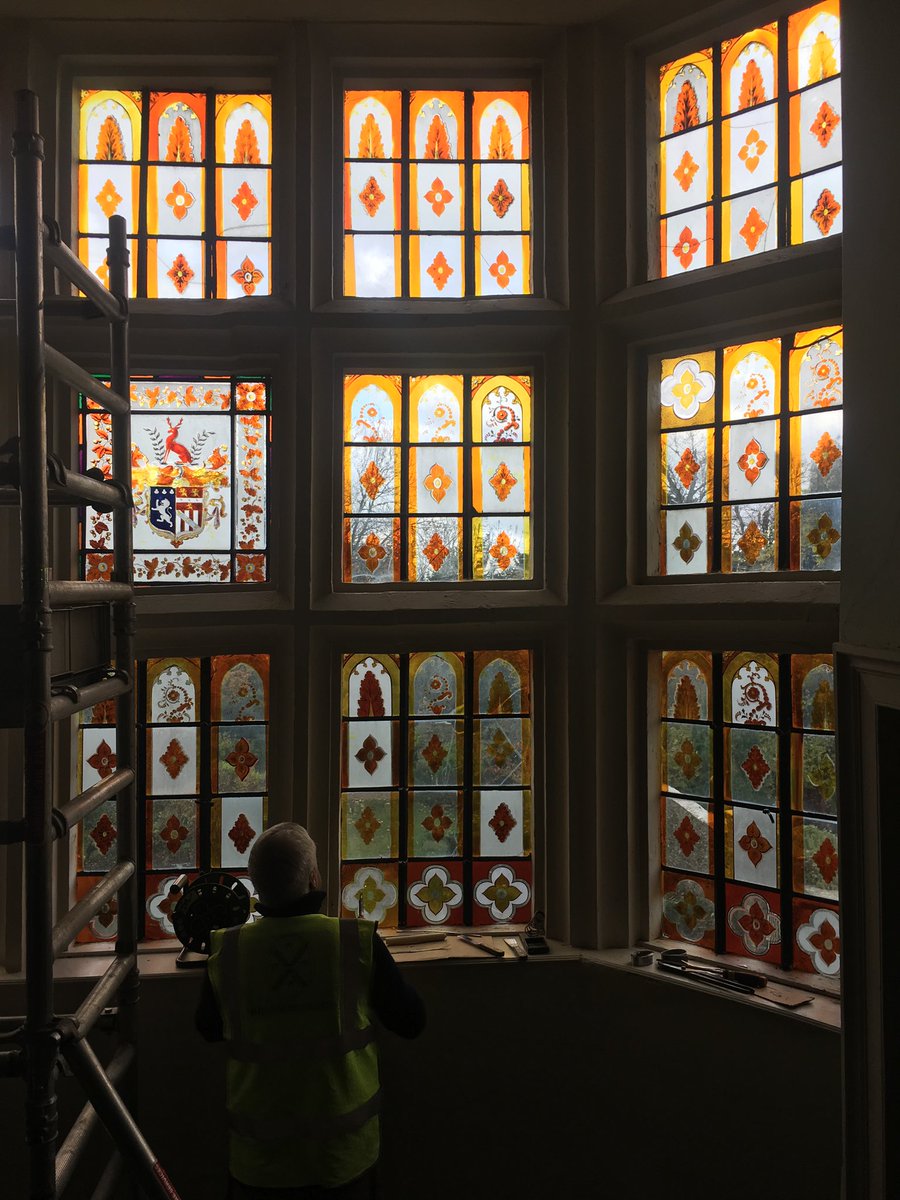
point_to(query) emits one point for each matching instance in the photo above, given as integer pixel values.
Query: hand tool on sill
(492, 950)
(703, 977)
(415, 939)
(680, 959)
(515, 944)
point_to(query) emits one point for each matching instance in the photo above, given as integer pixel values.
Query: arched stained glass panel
(240, 688)
(436, 684)
(751, 689)
(686, 686)
(371, 686)
(173, 686)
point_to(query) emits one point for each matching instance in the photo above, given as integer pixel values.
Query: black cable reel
(215, 900)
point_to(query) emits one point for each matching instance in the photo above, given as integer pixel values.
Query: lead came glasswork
(189, 135)
(449, 477)
(743, 130)
(743, 511)
(201, 810)
(457, 812)
(463, 200)
(772, 706)
(200, 458)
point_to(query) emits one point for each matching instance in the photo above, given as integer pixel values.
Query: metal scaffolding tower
(33, 480)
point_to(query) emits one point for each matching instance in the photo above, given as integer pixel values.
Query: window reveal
(191, 173)
(750, 153)
(200, 460)
(202, 768)
(436, 802)
(751, 470)
(437, 194)
(437, 478)
(749, 838)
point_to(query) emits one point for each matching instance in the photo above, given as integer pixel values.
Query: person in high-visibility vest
(293, 996)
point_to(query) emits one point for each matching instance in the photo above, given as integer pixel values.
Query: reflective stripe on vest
(276, 1130)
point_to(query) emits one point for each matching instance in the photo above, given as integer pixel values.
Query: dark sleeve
(397, 1006)
(208, 1019)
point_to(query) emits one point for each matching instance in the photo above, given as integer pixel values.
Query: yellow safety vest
(302, 1083)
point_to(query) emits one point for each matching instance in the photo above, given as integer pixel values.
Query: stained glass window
(202, 779)
(191, 172)
(437, 193)
(748, 813)
(750, 143)
(200, 459)
(436, 801)
(437, 478)
(751, 448)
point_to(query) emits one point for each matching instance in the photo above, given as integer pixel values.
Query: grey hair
(283, 864)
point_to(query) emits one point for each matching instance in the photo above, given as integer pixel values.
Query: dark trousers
(362, 1188)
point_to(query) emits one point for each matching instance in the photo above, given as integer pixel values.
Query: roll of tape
(641, 958)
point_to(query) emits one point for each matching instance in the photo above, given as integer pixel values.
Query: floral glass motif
(200, 456)
(771, 413)
(463, 177)
(203, 161)
(445, 812)
(768, 194)
(201, 767)
(730, 893)
(437, 478)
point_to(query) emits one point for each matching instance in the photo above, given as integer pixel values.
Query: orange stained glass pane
(501, 126)
(814, 44)
(685, 93)
(244, 129)
(110, 125)
(749, 77)
(436, 125)
(372, 124)
(502, 265)
(177, 127)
